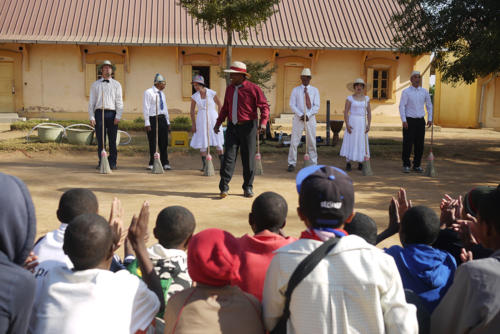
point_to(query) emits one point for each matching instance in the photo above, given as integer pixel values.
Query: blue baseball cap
(326, 195)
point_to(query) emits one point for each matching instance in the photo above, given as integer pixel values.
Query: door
(7, 87)
(292, 80)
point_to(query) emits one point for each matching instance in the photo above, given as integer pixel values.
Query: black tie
(105, 80)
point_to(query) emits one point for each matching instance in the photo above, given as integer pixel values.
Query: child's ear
(59, 215)
(155, 234)
(251, 221)
(303, 217)
(111, 251)
(186, 243)
(283, 225)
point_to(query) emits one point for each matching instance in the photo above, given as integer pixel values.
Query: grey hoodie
(17, 233)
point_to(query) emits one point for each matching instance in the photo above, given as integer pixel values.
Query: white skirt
(353, 144)
(200, 138)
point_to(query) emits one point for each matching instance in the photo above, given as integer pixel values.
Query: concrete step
(10, 118)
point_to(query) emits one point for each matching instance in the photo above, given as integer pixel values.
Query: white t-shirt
(50, 253)
(93, 301)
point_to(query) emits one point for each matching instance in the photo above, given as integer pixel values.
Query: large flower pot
(50, 133)
(80, 136)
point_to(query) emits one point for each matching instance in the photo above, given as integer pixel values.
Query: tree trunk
(229, 54)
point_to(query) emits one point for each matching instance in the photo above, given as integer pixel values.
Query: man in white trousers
(304, 102)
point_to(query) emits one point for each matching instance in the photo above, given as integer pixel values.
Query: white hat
(198, 79)
(238, 67)
(106, 63)
(414, 73)
(159, 78)
(306, 72)
(350, 85)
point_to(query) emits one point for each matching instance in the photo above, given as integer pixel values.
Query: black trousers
(162, 139)
(243, 137)
(110, 130)
(413, 136)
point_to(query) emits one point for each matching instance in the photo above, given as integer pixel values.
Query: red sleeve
(224, 111)
(262, 105)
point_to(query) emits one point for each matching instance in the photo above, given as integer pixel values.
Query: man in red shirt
(240, 108)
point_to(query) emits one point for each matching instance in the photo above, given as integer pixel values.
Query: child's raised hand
(403, 203)
(139, 227)
(116, 223)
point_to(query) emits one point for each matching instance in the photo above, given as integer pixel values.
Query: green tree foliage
(234, 16)
(464, 34)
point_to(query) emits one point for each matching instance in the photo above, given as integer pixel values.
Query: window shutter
(187, 73)
(214, 78)
(369, 81)
(90, 77)
(120, 76)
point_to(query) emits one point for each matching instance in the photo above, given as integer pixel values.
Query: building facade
(50, 50)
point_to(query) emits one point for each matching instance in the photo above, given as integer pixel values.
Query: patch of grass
(125, 125)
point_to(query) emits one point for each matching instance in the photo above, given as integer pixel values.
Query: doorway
(204, 71)
(292, 80)
(7, 87)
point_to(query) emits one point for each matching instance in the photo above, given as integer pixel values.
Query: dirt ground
(48, 175)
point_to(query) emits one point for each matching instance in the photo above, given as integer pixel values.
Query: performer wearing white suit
(208, 105)
(304, 99)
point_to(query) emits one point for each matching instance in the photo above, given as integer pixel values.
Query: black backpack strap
(303, 269)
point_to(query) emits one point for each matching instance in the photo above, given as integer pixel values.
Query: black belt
(244, 122)
(414, 117)
(104, 110)
(159, 116)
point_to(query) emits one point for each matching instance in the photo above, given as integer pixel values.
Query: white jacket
(355, 289)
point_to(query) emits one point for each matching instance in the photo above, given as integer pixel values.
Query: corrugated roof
(314, 24)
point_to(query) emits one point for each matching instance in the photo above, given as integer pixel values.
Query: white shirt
(149, 102)
(112, 97)
(297, 100)
(356, 288)
(412, 103)
(93, 301)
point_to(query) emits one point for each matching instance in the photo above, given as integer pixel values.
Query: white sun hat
(306, 72)
(198, 79)
(350, 85)
(238, 67)
(414, 73)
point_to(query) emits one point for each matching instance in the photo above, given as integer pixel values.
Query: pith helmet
(159, 78)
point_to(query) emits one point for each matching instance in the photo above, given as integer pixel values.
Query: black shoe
(98, 166)
(418, 169)
(348, 167)
(290, 168)
(360, 166)
(248, 193)
(114, 167)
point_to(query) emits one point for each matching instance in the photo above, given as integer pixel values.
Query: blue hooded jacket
(425, 270)
(17, 233)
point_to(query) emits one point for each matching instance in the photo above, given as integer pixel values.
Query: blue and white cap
(326, 195)
(198, 79)
(159, 78)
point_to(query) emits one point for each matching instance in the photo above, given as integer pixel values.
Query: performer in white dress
(206, 101)
(357, 116)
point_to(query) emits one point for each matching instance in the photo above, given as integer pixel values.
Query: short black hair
(420, 225)
(174, 225)
(75, 202)
(269, 212)
(88, 241)
(362, 226)
(489, 207)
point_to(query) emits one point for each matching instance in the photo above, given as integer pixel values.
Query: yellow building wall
(456, 106)
(459, 105)
(54, 81)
